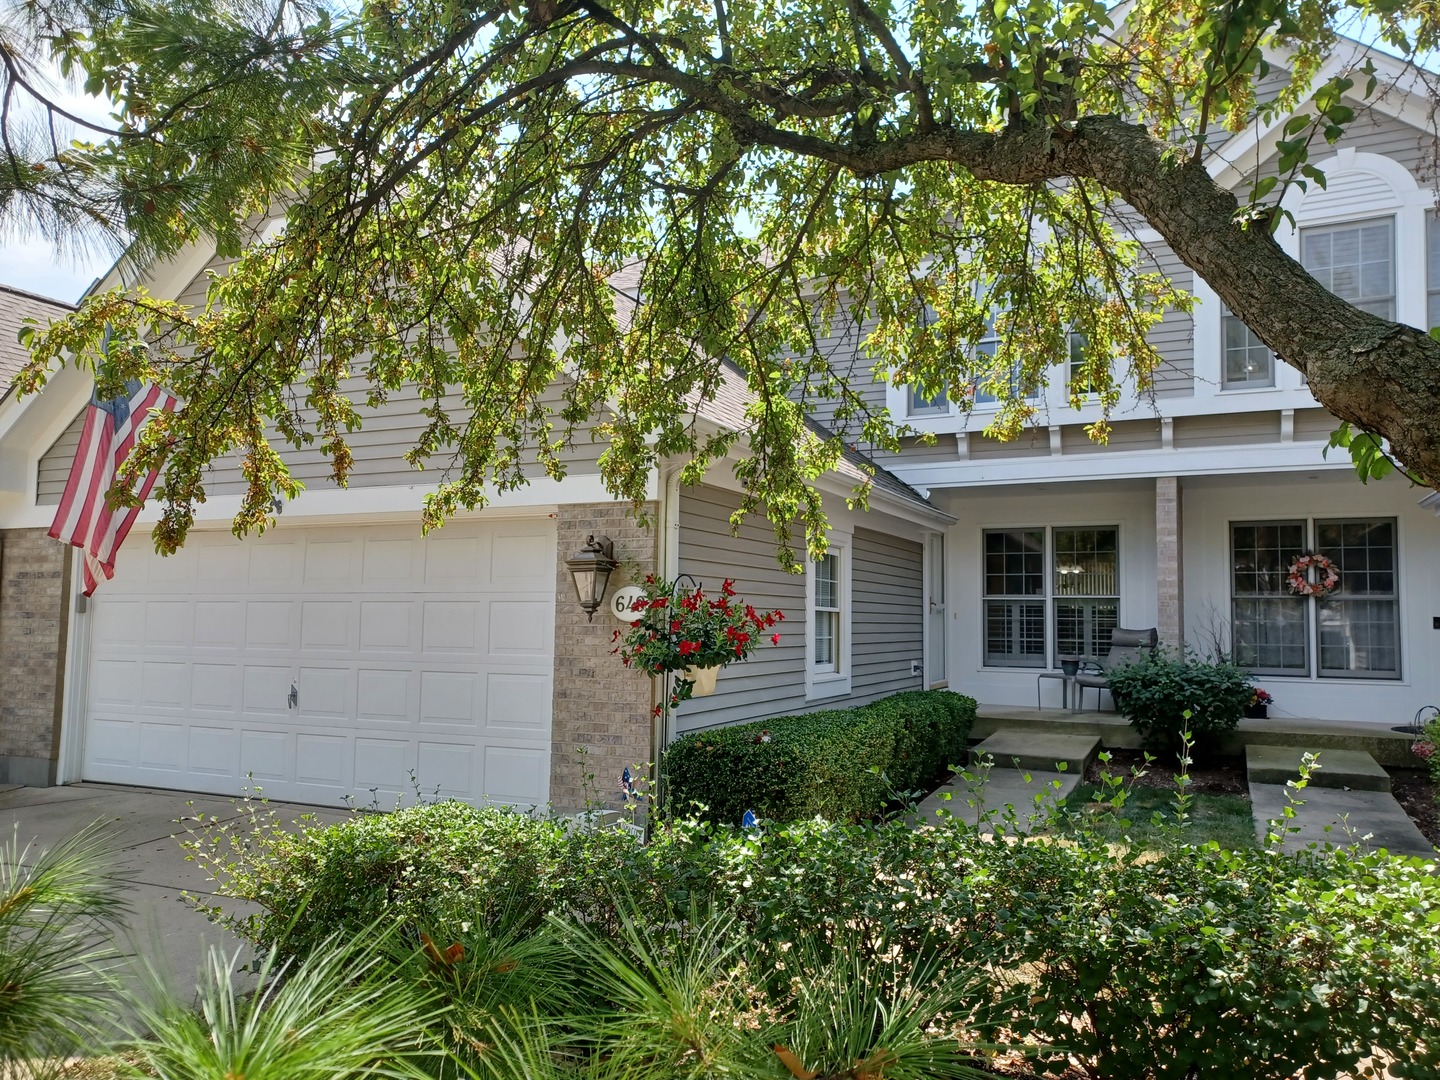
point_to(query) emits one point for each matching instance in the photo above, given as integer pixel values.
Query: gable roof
(16, 306)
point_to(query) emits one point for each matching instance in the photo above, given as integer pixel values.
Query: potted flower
(1259, 707)
(685, 631)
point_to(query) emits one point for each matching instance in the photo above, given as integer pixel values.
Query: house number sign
(621, 600)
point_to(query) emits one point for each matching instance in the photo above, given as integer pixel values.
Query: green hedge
(841, 764)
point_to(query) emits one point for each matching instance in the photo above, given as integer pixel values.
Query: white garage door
(329, 662)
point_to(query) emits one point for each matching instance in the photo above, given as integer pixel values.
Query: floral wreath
(1298, 576)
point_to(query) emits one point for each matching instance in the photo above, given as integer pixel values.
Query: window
(1247, 361)
(1081, 605)
(1355, 262)
(1432, 296)
(1355, 630)
(827, 626)
(988, 346)
(826, 656)
(1077, 379)
(937, 404)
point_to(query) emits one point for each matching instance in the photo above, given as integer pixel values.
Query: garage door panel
(324, 760)
(388, 626)
(452, 560)
(165, 685)
(450, 627)
(214, 751)
(327, 626)
(517, 704)
(425, 658)
(386, 696)
(161, 746)
(266, 755)
(384, 764)
(516, 774)
(446, 769)
(215, 688)
(219, 624)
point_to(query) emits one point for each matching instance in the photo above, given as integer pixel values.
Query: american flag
(84, 520)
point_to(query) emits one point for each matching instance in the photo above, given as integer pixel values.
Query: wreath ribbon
(1297, 577)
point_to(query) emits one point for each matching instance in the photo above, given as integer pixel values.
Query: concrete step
(1006, 799)
(1353, 769)
(1330, 817)
(1039, 751)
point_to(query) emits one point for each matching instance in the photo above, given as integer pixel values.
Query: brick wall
(1169, 587)
(34, 591)
(599, 705)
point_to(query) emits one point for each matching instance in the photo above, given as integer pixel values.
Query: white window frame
(1226, 385)
(1318, 228)
(822, 682)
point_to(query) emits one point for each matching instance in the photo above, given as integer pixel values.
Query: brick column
(34, 594)
(599, 706)
(1169, 575)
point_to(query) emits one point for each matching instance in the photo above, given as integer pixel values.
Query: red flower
(728, 587)
(615, 636)
(774, 639)
(688, 647)
(675, 626)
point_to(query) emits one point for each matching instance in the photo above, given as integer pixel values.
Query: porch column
(1169, 591)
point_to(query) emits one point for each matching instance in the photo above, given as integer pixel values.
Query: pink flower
(1423, 749)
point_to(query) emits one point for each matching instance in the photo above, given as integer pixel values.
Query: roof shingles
(16, 306)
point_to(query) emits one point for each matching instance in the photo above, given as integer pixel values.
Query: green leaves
(1367, 451)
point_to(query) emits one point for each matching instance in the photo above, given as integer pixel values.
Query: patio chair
(1126, 647)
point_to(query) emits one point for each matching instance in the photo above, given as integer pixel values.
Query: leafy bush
(840, 763)
(1248, 964)
(1165, 694)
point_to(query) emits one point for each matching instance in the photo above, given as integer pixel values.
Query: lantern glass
(591, 568)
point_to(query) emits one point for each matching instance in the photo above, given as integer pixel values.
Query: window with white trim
(1353, 632)
(1076, 378)
(1050, 593)
(1355, 262)
(918, 403)
(1248, 361)
(825, 658)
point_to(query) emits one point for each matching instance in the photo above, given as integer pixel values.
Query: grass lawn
(1225, 819)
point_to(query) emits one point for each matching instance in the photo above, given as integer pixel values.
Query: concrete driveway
(144, 828)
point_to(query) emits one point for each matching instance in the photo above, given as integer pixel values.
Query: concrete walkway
(144, 828)
(1024, 782)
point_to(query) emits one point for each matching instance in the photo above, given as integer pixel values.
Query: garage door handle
(294, 696)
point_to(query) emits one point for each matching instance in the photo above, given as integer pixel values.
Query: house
(342, 654)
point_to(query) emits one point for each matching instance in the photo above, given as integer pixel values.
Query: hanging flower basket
(1297, 577)
(682, 630)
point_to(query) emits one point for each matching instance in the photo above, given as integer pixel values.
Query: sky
(32, 265)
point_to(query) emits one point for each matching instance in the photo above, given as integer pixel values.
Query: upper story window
(1076, 378)
(1355, 262)
(1248, 363)
(919, 404)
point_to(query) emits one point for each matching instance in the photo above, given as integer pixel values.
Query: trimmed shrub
(842, 764)
(1157, 692)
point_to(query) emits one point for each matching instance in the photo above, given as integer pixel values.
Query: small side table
(1066, 682)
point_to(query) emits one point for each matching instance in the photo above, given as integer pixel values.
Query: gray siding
(1314, 424)
(1033, 442)
(1227, 429)
(886, 616)
(1124, 435)
(378, 446)
(1174, 336)
(841, 342)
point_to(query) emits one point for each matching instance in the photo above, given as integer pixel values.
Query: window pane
(827, 639)
(1355, 262)
(936, 403)
(1247, 361)
(1268, 622)
(1015, 633)
(1358, 622)
(1079, 382)
(1015, 562)
(1082, 627)
(1087, 562)
(827, 594)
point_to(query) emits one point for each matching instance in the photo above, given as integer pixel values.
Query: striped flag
(83, 519)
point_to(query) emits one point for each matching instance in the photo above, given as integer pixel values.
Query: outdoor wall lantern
(591, 568)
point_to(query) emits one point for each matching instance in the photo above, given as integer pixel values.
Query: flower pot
(703, 678)
(1259, 711)
(1070, 666)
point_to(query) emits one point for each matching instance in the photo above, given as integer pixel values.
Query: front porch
(1386, 746)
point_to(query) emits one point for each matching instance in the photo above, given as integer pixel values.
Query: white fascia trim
(1260, 458)
(375, 504)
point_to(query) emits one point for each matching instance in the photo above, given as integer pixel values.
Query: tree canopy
(465, 187)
